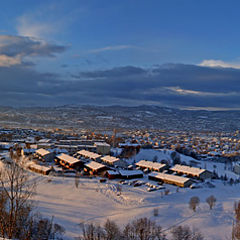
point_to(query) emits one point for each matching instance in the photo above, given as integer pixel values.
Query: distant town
(111, 153)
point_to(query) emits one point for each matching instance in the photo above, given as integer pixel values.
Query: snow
(42, 152)
(130, 172)
(66, 158)
(109, 159)
(169, 177)
(94, 165)
(88, 154)
(38, 167)
(187, 169)
(151, 165)
(95, 202)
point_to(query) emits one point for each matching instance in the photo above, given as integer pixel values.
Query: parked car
(150, 189)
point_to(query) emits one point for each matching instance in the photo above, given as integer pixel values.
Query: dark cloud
(119, 72)
(175, 85)
(13, 49)
(26, 46)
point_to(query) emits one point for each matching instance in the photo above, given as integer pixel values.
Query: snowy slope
(94, 201)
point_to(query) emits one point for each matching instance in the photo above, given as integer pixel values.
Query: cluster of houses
(210, 145)
(111, 167)
(93, 156)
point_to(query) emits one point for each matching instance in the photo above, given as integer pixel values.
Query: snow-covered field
(93, 201)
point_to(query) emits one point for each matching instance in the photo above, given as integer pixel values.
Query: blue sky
(66, 40)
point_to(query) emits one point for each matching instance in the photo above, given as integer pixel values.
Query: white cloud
(27, 26)
(7, 61)
(182, 91)
(219, 63)
(111, 48)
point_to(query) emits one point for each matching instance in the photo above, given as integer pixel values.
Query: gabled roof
(187, 169)
(66, 158)
(169, 177)
(130, 172)
(38, 167)
(94, 165)
(89, 154)
(42, 152)
(104, 144)
(110, 159)
(151, 165)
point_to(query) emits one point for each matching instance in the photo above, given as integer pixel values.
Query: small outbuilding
(112, 174)
(102, 148)
(130, 174)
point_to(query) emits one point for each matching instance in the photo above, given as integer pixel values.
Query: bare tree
(143, 229)
(236, 231)
(185, 233)
(119, 189)
(166, 192)
(16, 191)
(112, 231)
(43, 228)
(211, 200)
(16, 218)
(92, 232)
(176, 158)
(237, 211)
(77, 177)
(155, 212)
(155, 158)
(236, 223)
(193, 203)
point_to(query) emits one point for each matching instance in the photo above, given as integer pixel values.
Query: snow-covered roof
(42, 152)
(130, 172)
(66, 158)
(88, 154)
(129, 144)
(151, 165)
(44, 140)
(38, 167)
(169, 177)
(94, 165)
(112, 172)
(110, 159)
(101, 144)
(187, 169)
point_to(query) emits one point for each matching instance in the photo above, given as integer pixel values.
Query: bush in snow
(167, 191)
(211, 200)
(193, 203)
(175, 156)
(155, 212)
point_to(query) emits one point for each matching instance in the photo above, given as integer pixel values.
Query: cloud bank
(173, 85)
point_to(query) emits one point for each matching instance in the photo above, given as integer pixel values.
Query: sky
(172, 53)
